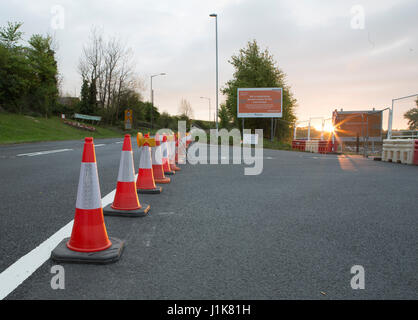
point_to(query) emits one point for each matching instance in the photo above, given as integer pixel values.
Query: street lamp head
(160, 74)
(213, 15)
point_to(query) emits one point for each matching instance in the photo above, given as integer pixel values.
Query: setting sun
(328, 127)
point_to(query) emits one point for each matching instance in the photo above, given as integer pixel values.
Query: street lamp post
(209, 104)
(214, 15)
(152, 99)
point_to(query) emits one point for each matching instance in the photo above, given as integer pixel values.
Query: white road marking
(19, 271)
(23, 268)
(99, 145)
(119, 142)
(42, 152)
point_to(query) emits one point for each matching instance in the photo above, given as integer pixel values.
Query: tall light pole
(209, 104)
(214, 15)
(152, 99)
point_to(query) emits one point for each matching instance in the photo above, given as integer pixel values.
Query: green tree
(85, 98)
(167, 121)
(10, 35)
(44, 87)
(88, 98)
(28, 74)
(146, 106)
(257, 69)
(224, 116)
(15, 72)
(412, 116)
(93, 97)
(131, 99)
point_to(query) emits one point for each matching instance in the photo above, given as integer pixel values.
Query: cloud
(328, 64)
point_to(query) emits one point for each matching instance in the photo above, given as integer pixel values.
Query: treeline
(111, 85)
(28, 72)
(256, 68)
(29, 80)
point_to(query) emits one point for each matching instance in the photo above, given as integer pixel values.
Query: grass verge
(15, 128)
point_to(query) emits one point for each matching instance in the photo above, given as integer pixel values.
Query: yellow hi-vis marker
(141, 140)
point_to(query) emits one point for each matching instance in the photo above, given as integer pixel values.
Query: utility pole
(217, 78)
(152, 99)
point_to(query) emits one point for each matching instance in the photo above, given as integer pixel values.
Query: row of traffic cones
(89, 242)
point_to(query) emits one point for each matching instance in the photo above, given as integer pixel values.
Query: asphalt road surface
(292, 232)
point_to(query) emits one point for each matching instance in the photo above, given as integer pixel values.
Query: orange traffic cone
(157, 163)
(172, 153)
(166, 160)
(126, 202)
(145, 182)
(89, 242)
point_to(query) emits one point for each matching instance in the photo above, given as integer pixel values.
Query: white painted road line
(22, 269)
(19, 271)
(42, 152)
(99, 145)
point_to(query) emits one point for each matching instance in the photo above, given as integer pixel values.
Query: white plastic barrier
(312, 146)
(398, 150)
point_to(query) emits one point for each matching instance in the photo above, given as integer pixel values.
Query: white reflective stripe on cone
(126, 167)
(145, 158)
(88, 193)
(156, 155)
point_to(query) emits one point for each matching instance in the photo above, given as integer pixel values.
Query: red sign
(260, 103)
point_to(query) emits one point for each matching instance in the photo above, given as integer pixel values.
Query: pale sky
(332, 58)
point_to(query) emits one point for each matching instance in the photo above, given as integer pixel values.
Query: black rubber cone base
(170, 173)
(109, 211)
(62, 254)
(157, 190)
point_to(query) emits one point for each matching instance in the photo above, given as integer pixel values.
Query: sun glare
(329, 127)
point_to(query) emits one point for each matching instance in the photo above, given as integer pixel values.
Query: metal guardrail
(402, 134)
